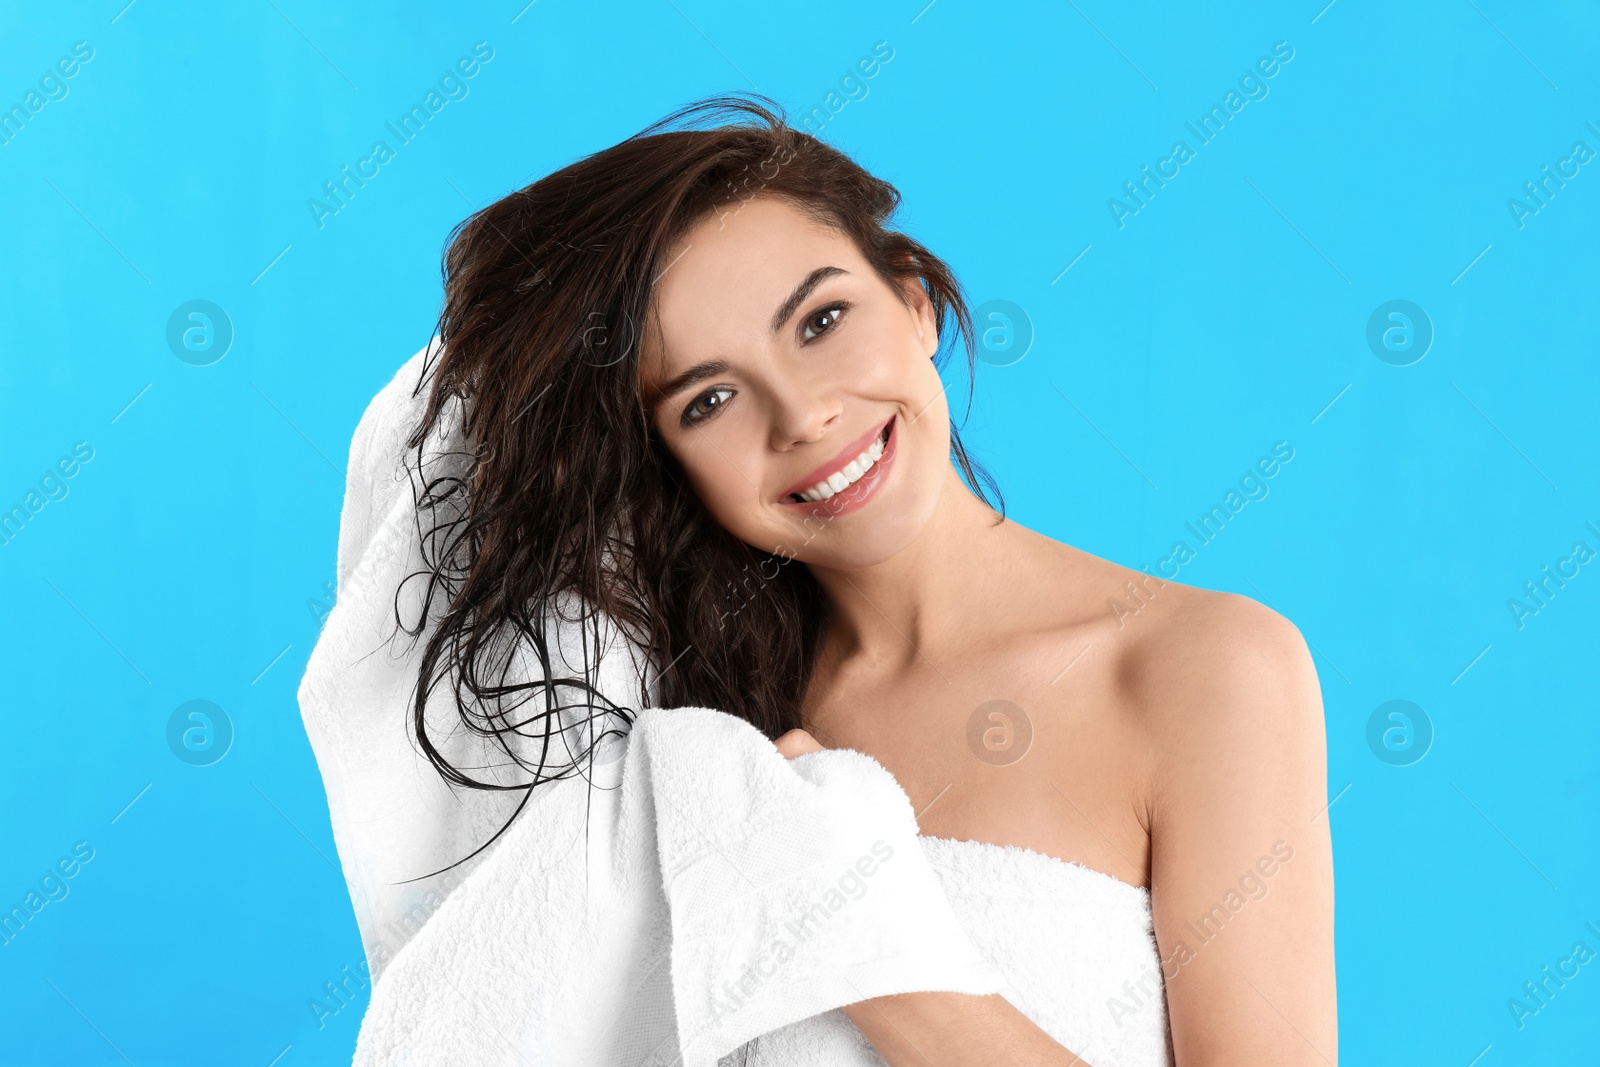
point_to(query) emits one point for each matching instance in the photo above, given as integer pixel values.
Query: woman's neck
(922, 598)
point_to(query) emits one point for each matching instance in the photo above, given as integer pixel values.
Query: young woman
(705, 394)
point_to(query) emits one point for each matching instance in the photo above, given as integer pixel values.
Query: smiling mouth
(852, 472)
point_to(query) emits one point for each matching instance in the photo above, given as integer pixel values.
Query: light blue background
(188, 556)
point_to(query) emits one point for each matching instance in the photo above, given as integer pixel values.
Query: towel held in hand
(721, 892)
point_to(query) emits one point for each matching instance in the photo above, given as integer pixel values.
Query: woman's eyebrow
(801, 291)
(709, 368)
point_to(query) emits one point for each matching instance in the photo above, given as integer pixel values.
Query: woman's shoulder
(1155, 619)
(1220, 681)
(1192, 629)
(1190, 666)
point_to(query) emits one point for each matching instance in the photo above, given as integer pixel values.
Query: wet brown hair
(568, 502)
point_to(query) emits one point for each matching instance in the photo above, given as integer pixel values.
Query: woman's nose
(803, 411)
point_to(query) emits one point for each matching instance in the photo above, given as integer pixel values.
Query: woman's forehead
(730, 274)
(740, 256)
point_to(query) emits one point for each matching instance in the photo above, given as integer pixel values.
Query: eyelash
(838, 306)
(841, 306)
(688, 420)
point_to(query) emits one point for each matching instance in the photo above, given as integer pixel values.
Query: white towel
(718, 892)
(729, 892)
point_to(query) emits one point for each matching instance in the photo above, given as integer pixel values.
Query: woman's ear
(920, 307)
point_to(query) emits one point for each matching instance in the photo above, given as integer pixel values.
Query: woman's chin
(868, 537)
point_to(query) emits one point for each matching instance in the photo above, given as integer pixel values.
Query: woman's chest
(1002, 754)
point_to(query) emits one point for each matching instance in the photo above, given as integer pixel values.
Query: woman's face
(796, 388)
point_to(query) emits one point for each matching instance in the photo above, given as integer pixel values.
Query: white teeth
(847, 475)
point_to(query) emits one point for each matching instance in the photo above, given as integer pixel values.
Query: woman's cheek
(726, 494)
(879, 364)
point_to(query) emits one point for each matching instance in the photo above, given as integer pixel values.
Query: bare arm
(1241, 861)
(946, 1029)
(955, 1030)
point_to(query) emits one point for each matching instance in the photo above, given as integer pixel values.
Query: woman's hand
(966, 1029)
(797, 743)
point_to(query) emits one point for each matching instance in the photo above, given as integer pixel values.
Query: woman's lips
(856, 494)
(837, 463)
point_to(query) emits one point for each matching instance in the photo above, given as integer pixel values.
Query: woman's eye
(706, 404)
(822, 321)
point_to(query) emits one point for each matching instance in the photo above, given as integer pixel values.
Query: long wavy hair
(568, 505)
